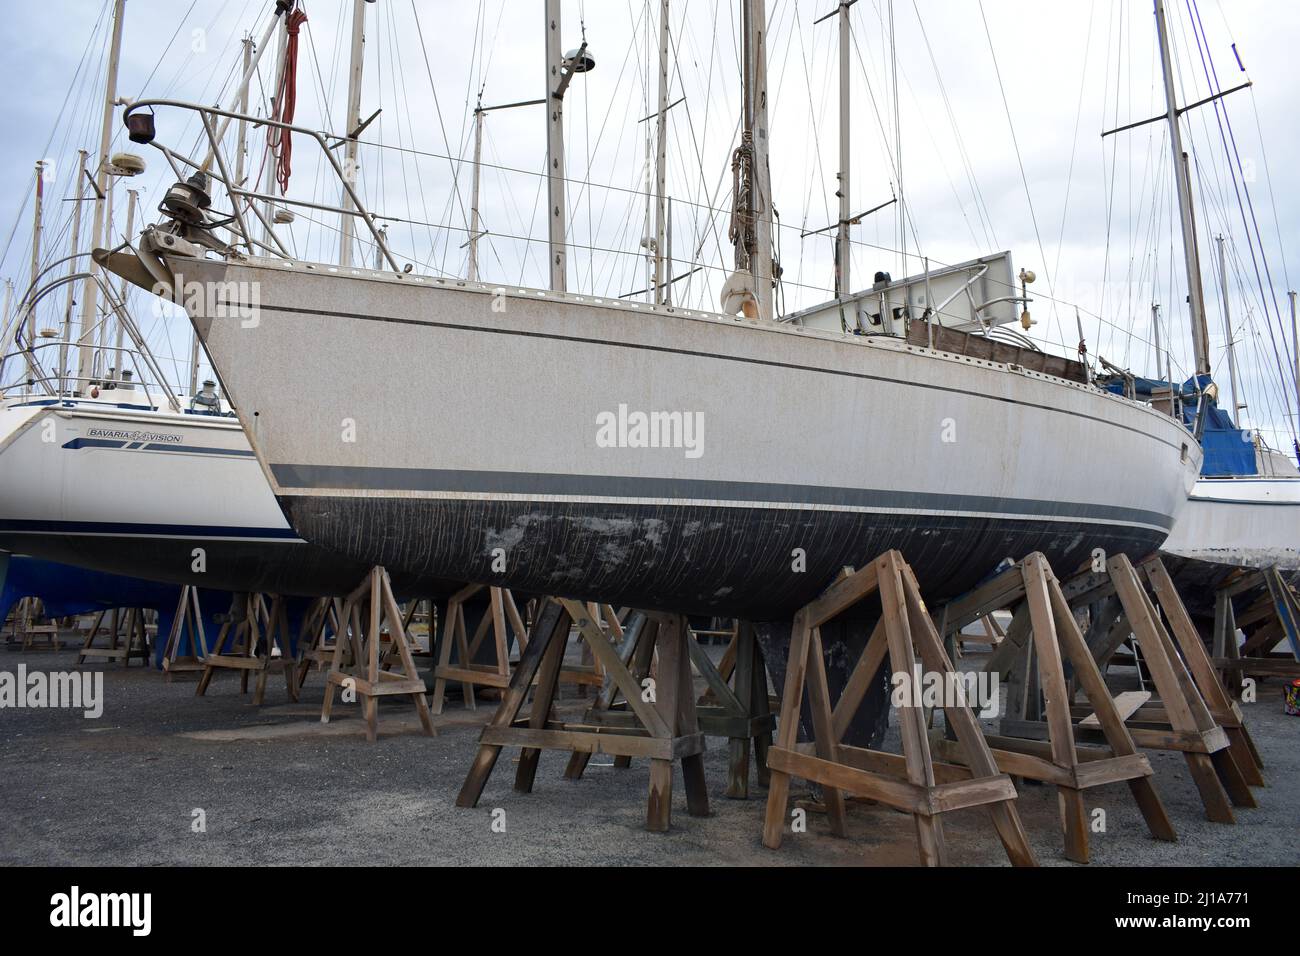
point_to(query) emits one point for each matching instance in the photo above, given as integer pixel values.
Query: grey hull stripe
(460, 327)
(349, 478)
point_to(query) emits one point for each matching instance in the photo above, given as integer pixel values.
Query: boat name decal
(121, 434)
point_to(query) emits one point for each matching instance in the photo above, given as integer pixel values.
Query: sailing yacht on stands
(887, 418)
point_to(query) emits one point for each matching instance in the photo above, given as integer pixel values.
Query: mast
(1195, 292)
(555, 84)
(474, 193)
(132, 197)
(271, 184)
(241, 139)
(842, 286)
(38, 213)
(1227, 328)
(661, 162)
(353, 124)
(475, 218)
(90, 296)
(75, 246)
(250, 67)
(648, 189)
(754, 250)
(101, 357)
(1155, 328)
(1295, 352)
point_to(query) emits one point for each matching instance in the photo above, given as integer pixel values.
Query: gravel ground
(279, 787)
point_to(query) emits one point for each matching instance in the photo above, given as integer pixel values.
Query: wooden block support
(910, 783)
(661, 725)
(359, 668)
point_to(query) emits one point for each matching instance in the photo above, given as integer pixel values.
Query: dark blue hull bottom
(272, 567)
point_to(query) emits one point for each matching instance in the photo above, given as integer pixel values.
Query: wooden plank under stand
(1056, 640)
(241, 645)
(661, 725)
(366, 672)
(913, 782)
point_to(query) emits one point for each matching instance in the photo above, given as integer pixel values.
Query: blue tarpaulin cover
(1228, 450)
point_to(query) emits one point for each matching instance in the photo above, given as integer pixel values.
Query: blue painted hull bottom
(274, 567)
(65, 590)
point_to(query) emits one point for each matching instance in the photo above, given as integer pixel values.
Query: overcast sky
(1095, 220)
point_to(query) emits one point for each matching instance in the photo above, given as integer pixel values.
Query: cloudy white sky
(1000, 107)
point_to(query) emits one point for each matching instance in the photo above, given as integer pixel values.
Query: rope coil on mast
(286, 102)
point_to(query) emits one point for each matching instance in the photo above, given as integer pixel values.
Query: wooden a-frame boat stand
(661, 723)
(1273, 617)
(913, 782)
(359, 667)
(249, 634)
(1033, 590)
(735, 704)
(1192, 714)
(460, 667)
(125, 625)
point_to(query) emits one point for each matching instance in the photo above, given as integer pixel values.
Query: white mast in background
(1191, 255)
(842, 286)
(90, 296)
(356, 64)
(661, 278)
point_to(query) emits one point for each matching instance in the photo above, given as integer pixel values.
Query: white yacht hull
(1241, 522)
(447, 428)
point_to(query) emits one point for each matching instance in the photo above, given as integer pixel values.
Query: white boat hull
(452, 429)
(1241, 522)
